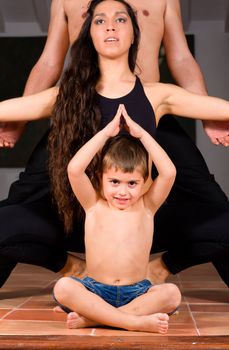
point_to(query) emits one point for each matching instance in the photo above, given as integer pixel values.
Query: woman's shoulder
(158, 89)
(155, 89)
(153, 85)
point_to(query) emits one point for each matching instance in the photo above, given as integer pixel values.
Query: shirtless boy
(119, 223)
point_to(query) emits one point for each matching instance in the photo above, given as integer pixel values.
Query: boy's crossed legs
(147, 312)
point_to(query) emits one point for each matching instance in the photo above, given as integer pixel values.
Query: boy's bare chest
(121, 223)
(114, 233)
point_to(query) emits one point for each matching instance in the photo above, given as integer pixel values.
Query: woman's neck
(115, 71)
(116, 78)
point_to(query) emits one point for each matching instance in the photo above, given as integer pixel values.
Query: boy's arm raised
(161, 186)
(80, 183)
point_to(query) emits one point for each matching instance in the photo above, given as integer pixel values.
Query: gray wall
(7, 176)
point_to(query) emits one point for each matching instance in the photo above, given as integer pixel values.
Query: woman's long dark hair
(76, 117)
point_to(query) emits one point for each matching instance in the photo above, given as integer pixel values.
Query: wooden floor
(28, 322)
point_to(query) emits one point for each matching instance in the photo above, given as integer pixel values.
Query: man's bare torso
(150, 14)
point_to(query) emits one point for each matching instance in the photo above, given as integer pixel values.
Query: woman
(90, 93)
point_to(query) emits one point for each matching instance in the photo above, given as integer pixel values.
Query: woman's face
(111, 29)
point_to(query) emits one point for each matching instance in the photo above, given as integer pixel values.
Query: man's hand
(217, 131)
(10, 133)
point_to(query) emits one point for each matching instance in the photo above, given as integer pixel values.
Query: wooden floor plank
(94, 343)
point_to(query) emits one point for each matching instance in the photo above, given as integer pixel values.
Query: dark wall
(18, 56)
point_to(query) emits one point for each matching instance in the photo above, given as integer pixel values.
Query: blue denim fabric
(115, 295)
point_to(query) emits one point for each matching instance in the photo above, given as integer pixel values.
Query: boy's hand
(133, 128)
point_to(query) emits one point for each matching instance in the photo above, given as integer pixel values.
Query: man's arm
(48, 68)
(46, 71)
(182, 64)
(184, 67)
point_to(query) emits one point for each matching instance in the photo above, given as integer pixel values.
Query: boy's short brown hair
(126, 153)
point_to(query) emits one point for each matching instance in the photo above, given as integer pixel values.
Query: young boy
(119, 224)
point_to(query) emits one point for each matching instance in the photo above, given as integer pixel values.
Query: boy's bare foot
(57, 309)
(155, 323)
(75, 320)
(157, 271)
(74, 267)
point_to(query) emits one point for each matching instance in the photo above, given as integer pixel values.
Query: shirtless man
(160, 21)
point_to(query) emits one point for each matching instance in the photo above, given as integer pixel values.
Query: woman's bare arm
(27, 108)
(171, 99)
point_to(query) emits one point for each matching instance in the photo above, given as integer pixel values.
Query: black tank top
(137, 105)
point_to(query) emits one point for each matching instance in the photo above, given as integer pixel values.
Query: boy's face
(121, 190)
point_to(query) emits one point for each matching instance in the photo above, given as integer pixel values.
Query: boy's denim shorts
(115, 295)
